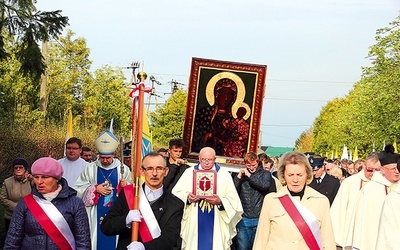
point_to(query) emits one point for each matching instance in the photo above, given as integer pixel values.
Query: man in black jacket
(176, 165)
(324, 183)
(161, 205)
(252, 184)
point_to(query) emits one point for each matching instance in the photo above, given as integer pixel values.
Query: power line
(316, 81)
(293, 99)
(285, 125)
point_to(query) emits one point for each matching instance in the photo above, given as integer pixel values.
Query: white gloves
(135, 245)
(133, 215)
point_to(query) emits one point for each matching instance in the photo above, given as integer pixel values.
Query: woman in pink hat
(51, 216)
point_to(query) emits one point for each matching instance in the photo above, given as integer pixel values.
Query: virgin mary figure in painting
(218, 126)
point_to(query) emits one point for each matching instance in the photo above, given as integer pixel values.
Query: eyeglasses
(18, 167)
(151, 169)
(206, 160)
(71, 148)
(392, 169)
(371, 169)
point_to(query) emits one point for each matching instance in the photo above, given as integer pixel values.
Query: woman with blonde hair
(297, 216)
(337, 172)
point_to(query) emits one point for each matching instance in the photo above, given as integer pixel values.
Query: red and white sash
(52, 221)
(148, 227)
(305, 221)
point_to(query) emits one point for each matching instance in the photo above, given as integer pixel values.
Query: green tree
(304, 143)
(166, 122)
(68, 67)
(67, 74)
(368, 115)
(95, 97)
(28, 26)
(18, 94)
(106, 97)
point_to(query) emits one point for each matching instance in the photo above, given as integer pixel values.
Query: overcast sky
(314, 50)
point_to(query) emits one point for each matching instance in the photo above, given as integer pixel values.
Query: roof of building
(277, 151)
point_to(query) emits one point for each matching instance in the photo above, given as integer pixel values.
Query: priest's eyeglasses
(392, 169)
(151, 169)
(206, 160)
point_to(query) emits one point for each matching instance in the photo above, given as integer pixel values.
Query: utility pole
(43, 85)
(153, 91)
(175, 86)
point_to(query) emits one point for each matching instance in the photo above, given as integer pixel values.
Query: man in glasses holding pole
(159, 213)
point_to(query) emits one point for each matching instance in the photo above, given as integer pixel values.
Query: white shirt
(72, 169)
(153, 195)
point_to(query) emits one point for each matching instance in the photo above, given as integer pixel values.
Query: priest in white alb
(209, 222)
(98, 186)
(343, 206)
(365, 219)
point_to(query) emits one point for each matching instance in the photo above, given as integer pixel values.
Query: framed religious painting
(224, 107)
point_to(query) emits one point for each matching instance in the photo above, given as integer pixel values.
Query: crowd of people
(296, 201)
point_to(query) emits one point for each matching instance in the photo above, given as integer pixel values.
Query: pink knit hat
(47, 166)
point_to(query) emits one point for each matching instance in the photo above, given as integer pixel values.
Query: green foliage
(369, 115)
(108, 98)
(68, 65)
(95, 100)
(27, 27)
(166, 122)
(305, 142)
(2, 226)
(32, 141)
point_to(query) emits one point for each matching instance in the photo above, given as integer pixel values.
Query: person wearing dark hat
(163, 152)
(14, 188)
(51, 216)
(127, 154)
(98, 185)
(389, 223)
(365, 223)
(324, 183)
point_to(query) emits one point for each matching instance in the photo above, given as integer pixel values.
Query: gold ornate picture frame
(224, 108)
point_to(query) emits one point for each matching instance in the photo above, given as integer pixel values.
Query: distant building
(277, 151)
